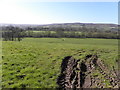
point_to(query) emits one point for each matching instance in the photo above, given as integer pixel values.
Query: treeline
(72, 32)
(16, 33)
(11, 33)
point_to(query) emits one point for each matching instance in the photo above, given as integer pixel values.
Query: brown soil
(88, 73)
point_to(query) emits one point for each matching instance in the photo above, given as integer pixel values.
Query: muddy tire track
(88, 73)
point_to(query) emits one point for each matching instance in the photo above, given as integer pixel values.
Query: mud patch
(88, 73)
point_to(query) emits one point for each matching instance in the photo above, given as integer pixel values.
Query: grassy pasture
(43, 31)
(35, 62)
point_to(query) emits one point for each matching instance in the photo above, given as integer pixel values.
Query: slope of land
(36, 62)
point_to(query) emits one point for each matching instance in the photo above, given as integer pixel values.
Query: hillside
(77, 25)
(60, 30)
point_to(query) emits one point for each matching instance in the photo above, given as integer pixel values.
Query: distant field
(53, 31)
(43, 31)
(35, 62)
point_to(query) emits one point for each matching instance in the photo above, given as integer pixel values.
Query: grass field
(35, 62)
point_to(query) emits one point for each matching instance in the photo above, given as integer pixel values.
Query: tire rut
(82, 74)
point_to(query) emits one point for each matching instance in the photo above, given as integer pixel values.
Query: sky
(37, 12)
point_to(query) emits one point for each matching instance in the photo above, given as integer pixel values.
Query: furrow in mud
(88, 73)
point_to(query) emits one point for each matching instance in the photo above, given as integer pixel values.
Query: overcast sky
(36, 12)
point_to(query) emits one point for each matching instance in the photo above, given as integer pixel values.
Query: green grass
(35, 62)
(43, 31)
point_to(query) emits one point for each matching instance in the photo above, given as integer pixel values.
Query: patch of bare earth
(88, 73)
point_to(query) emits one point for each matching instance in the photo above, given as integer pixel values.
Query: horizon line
(61, 23)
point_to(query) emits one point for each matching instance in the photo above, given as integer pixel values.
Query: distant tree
(12, 34)
(60, 32)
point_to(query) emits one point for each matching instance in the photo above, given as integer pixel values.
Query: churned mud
(88, 73)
